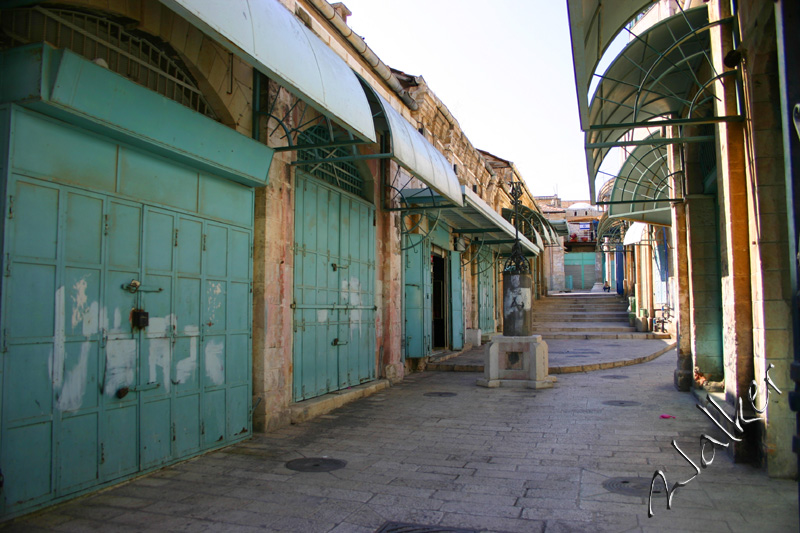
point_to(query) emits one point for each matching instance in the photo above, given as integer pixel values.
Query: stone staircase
(586, 316)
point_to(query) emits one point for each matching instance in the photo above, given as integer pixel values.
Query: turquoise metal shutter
(486, 291)
(334, 290)
(87, 400)
(417, 296)
(456, 302)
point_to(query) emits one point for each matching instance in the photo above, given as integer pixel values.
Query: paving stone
(490, 460)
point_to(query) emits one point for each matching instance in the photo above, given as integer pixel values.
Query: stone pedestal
(517, 362)
(473, 337)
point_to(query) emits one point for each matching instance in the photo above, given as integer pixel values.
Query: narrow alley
(439, 452)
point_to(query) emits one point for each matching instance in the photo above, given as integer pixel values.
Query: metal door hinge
(8, 265)
(10, 207)
(204, 242)
(102, 453)
(202, 428)
(105, 224)
(174, 433)
(176, 238)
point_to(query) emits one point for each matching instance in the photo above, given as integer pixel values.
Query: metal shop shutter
(334, 289)
(87, 397)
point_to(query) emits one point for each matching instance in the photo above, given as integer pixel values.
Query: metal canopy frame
(594, 24)
(612, 228)
(534, 226)
(526, 226)
(641, 191)
(662, 78)
(475, 219)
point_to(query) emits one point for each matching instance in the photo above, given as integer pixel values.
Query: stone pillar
(734, 232)
(516, 305)
(704, 285)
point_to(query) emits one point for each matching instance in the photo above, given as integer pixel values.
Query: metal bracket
(337, 343)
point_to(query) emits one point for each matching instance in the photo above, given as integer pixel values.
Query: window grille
(107, 43)
(342, 174)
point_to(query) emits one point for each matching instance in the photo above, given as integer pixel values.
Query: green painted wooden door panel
(86, 398)
(456, 302)
(334, 287)
(486, 268)
(417, 293)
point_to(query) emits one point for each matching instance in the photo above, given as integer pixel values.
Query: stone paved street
(481, 459)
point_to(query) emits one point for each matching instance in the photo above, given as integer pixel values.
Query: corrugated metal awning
(267, 36)
(635, 233)
(412, 151)
(641, 191)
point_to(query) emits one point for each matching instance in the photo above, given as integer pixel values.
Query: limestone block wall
(704, 286)
(768, 233)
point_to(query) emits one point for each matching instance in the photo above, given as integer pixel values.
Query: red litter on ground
(667, 416)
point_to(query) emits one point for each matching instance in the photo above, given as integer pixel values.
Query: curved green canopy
(642, 187)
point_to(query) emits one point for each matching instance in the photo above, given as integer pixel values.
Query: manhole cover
(631, 486)
(621, 403)
(440, 394)
(615, 376)
(400, 527)
(315, 464)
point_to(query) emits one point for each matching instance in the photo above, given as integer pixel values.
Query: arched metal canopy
(264, 34)
(593, 26)
(410, 150)
(663, 77)
(537, 221)
(611, 228)
(526, 227)
(641, 192)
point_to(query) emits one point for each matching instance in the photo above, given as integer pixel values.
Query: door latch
(337, 343)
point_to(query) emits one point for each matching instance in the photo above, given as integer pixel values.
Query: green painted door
(456, 302)
(486, 296)
(581, 266)
(334, 290)
(417, 296)
(87, 398)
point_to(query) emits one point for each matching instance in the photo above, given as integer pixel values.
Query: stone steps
(542, 328)
(580, 317)
(602, 335)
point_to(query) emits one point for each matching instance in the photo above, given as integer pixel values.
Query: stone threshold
(308, 409)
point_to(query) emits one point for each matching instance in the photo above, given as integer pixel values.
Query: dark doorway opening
(439, 302)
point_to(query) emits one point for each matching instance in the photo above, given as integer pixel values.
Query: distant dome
(581, 205)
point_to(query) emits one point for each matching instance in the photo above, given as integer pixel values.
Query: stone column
(735, 244)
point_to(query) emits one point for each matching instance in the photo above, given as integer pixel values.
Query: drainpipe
(378, 66)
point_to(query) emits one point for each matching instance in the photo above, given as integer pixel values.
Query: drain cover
(315, 464)
(440, 394)
(621, 403)
(615, 376)
(630, 486)
(400, 527)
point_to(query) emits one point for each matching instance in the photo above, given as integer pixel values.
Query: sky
(502, 68)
